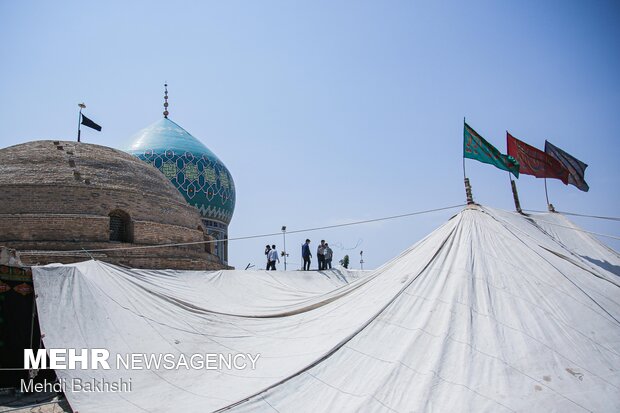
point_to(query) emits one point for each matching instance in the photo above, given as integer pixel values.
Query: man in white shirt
(320, 254)
(273, 257)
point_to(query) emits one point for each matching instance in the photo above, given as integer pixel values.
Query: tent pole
(549, 206)
(515, 194)
(468, 194)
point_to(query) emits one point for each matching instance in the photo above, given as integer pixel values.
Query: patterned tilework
(192, 168)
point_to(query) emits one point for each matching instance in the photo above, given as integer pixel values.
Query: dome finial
(166, 100)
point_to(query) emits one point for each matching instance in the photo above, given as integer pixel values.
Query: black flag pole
(82, 106)
(83, 120)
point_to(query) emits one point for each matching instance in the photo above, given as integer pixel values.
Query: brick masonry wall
(88, 200)
(155, 262)
(184, 257)
(146, 232)
(76, 228)
(56, 196)
(54, 227)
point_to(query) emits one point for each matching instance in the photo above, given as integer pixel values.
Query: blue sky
(332, 111)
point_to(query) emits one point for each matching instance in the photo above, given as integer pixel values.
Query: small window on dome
(120, 226)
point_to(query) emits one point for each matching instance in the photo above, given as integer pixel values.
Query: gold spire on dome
(166, 100)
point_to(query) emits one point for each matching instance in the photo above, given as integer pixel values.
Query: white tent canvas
(493, 311)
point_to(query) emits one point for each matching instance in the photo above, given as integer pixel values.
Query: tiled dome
(196, 172)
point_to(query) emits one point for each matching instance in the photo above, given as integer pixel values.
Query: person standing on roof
(267, 249)
(306, 255)
(329, 254)
(273, 257)
(320, 255)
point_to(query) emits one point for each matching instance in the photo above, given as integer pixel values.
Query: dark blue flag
(576, 168)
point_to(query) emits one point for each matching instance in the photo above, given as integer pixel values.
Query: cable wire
(577, 215)
(263, 235)
(578, 229)
(272, 234)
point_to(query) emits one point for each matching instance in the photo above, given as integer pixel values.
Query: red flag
(534, 161)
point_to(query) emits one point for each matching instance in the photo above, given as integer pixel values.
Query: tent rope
(577, 215)
(272, 234)
(83, 250)
(578, 229)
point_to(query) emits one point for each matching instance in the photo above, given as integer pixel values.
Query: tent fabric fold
(493, 311)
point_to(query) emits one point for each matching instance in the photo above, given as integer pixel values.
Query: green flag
(476, 147)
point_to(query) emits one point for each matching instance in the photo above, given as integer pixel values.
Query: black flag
(576, 168)
(90, 123)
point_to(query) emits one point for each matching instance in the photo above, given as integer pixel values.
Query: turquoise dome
(196, 172)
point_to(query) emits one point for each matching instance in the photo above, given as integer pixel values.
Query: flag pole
(515, 194)
(468, 194)
(464, 175)
(513, 186)
(82, 106)
(549, 206)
